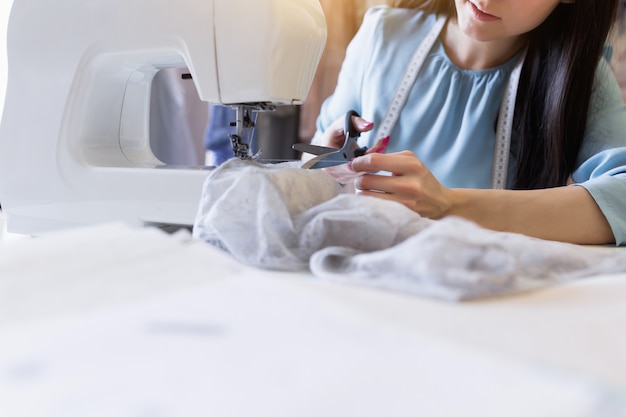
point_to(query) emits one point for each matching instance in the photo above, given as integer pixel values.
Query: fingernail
(350, 165)
(380, 146)
(367, 124)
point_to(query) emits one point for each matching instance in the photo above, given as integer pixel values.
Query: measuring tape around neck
(504, 128)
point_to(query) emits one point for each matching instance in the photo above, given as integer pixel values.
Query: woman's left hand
(411, 183)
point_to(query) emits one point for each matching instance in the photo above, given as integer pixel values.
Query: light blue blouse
(450, 117)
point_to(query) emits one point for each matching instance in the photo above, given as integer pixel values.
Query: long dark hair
(555, 86)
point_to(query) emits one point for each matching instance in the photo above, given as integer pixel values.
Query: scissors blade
(312, 149)
(323, 161)
(332, 156)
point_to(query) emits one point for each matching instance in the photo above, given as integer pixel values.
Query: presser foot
(241, 149)
(245, 124)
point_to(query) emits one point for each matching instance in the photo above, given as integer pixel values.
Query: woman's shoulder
(397, 13)
(393, 23)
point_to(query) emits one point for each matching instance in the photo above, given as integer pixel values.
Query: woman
(567, 162)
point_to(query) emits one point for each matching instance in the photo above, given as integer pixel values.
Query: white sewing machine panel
(74, 138)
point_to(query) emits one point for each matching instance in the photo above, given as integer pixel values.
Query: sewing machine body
(74, 138)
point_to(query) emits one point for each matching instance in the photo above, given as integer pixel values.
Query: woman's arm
(567, 214)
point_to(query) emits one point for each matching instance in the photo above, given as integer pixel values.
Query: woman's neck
(472, 54)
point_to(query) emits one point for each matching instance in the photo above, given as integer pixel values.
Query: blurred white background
(5, 6)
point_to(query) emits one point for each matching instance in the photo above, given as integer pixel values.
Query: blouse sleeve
(347, 94)
(602, 159)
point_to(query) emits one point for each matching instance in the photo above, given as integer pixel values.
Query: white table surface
(114, 321)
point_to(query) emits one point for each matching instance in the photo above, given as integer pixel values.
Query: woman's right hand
(334, 136)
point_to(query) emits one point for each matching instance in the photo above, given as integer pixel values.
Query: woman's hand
(334, 136)
(543, 213)
(411, 183)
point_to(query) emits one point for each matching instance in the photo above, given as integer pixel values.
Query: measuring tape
(504, 128)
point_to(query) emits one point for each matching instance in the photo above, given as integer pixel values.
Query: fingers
(411, 183)
(377, 194)
(374, 183)
(380, 146)
(359, 123)
(398, 163)
(405, 167)
(335, 134)
(362, 125)
(393, 185)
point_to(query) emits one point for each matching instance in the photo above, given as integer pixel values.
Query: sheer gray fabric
(286, 218)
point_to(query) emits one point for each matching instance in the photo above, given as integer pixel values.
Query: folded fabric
(454, 259)
(286, 218)
(247, 208)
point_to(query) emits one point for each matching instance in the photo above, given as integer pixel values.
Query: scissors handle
(349, 126)
(352, 133)
(327, 157)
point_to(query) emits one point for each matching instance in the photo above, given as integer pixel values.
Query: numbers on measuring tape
(504, 129)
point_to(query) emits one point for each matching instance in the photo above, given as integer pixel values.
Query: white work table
(115, 321)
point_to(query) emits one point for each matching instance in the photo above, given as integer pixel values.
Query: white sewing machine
(74, 138)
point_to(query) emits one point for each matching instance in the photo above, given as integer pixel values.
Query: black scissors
(329, 157)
